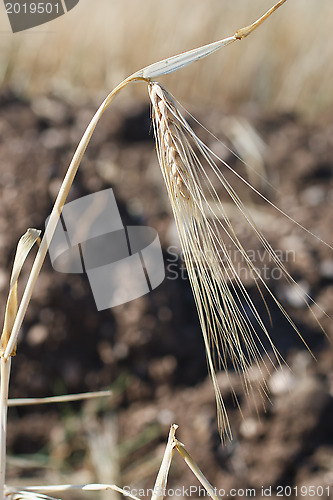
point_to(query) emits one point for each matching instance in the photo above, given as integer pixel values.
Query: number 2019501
(32, 8)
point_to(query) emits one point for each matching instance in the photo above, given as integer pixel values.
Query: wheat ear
(230, 322)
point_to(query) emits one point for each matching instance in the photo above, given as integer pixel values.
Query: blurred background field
(269, 97)
(286, 65)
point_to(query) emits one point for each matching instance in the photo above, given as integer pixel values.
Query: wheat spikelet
(229, 319)
(170, 144)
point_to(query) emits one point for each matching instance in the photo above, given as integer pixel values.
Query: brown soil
(150, 351)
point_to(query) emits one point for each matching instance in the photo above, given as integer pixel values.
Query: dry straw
(224, 306)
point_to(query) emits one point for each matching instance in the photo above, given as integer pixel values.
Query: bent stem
(38, 262)
(55, 214)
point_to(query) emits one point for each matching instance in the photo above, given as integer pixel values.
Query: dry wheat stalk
(160, 68)
(227, 314)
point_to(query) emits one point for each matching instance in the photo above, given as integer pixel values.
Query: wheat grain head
(231, 324)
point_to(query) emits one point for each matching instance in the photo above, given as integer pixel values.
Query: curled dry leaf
(24, 246)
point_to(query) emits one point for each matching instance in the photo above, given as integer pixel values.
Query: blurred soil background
(269, 99)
